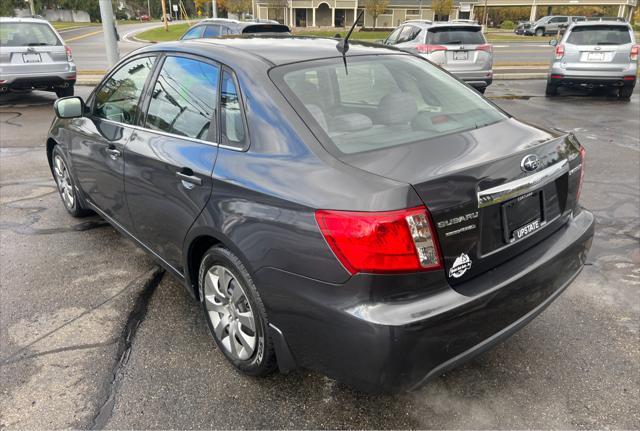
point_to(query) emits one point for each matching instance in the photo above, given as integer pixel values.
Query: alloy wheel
(63, 180)
(232, 318)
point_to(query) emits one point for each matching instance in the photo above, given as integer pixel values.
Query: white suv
(33, 56)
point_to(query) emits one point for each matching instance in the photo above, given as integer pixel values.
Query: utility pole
(32, 7)
(486, 16)
(214, 9)
(109, 31)
(149, 9)
(164, 15)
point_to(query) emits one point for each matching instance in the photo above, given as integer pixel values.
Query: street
(94, 335)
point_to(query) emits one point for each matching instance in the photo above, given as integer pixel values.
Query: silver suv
(459, 48)
(553, 24)
(33, 56)
(591, 54)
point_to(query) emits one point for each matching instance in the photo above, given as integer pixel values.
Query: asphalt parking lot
(93, 335)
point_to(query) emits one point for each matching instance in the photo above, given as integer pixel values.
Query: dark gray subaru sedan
(362, 214)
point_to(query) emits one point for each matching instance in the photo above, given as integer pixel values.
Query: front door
(170, 160)
(97, 146)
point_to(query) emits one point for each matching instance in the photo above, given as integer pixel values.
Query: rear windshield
(600, 35)
(27, 34)
(266, 28)
(455, 36)
(381, 101)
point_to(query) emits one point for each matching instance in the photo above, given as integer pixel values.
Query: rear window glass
(382, 101)
(27, 34)
(600, 35)
(266, 28)
(456, 36)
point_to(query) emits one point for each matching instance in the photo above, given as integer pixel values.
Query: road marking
(82, 36)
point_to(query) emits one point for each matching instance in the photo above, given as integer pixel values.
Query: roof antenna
(343, 45)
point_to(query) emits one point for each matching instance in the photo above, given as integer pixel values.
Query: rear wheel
(540, 32)
(624, 93)
(64, 91)
(551, 90)
(66, 186)
(235, 313)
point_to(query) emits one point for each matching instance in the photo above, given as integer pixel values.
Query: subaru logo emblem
(530, 163)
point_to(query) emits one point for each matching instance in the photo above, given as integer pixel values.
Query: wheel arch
(50, 144)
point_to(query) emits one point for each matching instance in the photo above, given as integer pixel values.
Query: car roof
(440, 24)
(598, 23)
(239, 24)
(273, 49)
(17, 19)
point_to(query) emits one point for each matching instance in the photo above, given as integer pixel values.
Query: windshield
(383, 101)
(456, 36)
(27, 34)
(600, 35)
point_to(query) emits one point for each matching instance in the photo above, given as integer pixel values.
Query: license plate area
(460, 55)
(522, 216)
(31, 57)
(595, 56)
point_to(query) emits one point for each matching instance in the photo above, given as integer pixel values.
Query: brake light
(559, 52)
(634, 52)
(583, 154)
(428, 49)
(69, 56)
(381, 242)
(486, 47)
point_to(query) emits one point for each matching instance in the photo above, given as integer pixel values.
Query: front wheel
(65, 184)
(540, 32)
(234, 312)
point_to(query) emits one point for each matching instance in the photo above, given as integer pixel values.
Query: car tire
(237, 319)
(551, 90)
(65, 91)
(624, 93)
(66, 184)
(539, 31)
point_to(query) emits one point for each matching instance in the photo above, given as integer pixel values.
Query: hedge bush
(507, 25)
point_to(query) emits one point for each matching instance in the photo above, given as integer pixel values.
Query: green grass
(504, 37)
(358, 35)
(59, 25)
(159, 35)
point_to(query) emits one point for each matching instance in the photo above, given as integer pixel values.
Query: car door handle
(113, 152)
(186, 175)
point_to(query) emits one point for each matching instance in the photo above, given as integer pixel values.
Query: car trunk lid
(485, 204)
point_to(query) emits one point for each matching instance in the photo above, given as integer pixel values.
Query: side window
(405, 34)
(119, 97)
(232, 126)
(212, 31)
(184, 98)
(193, 33)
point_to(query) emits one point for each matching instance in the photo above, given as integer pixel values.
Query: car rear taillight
(381, 242)
(428, 49)
(486, 47)
(559, 52)
(634, 52)
(69, 56)
(583, 154)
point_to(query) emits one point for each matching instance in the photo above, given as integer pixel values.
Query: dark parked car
(524, 28)
(216, 27)
(367, 216)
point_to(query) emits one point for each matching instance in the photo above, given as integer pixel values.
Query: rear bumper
(399, 344)
(590, 81)
(37, 80)
(475, 78)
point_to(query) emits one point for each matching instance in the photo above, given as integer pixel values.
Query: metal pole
(164, 15)
(109, 31)
(214, 9)
(32, 7)
(149, 9)
(486, 16)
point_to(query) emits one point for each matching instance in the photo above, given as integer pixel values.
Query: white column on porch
(534, 11)
(333, 17)
(313, 20)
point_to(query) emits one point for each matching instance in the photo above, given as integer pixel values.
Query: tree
(237, 7)
(375, 8)
(441, 7)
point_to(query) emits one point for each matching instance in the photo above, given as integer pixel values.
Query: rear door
(598, 47)
(170, 159)
(460, 48)
(31, 48)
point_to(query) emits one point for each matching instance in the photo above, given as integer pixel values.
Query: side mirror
(553, 42)
(69, 107)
